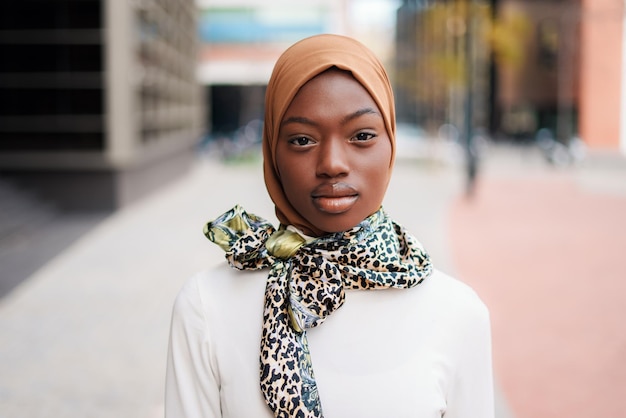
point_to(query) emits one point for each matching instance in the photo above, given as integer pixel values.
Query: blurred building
(441, 63)
(551, 65)
(99, 102)
(240, 42)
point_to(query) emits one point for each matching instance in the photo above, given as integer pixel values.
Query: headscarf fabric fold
(306, 283)
(296, 66)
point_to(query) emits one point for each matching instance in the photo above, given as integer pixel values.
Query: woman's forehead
(333, 85)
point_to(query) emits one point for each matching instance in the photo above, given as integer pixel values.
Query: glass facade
(53, 73)
(51, 76)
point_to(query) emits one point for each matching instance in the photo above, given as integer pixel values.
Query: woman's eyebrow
(346, 119)
(298, 119)
(360, 112)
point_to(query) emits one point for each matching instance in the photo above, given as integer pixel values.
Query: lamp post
(471, 160)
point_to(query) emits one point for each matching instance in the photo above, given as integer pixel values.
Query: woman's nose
(332, 159)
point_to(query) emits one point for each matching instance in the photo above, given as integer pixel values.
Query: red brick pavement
(547, 256)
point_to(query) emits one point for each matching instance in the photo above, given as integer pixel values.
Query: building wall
(95, 95)
(601, 73)
(559, 65)
(242, 39)
(538, 76)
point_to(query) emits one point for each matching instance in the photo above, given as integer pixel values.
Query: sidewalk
(544, 247)
(86, 334)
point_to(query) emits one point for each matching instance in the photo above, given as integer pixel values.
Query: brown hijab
(296, 66)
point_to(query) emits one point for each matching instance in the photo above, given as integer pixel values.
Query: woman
(403, 340)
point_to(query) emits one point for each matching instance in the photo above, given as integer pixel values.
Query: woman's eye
(300, 141)
(364, 136)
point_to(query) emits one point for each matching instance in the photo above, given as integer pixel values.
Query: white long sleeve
(423, 352)
(192, 388)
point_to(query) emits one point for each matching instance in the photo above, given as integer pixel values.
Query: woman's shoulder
(223, 277)
(452, 288)
(440, 299)
(453, 295)
(219, 286)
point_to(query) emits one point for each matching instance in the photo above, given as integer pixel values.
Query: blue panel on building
(245, 26)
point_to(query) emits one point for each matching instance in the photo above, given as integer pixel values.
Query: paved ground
(545, 248)
(85, 334)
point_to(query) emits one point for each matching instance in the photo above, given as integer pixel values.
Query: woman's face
(333, 153)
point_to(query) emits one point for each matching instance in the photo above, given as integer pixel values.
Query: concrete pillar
(121, 109)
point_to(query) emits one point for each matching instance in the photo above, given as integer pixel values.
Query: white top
(421, 352)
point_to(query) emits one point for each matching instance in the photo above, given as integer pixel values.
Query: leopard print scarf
(306, 284)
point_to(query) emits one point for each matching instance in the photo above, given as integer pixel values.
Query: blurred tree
(453, 45)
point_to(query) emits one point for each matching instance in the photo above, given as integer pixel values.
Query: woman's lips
(334, 198)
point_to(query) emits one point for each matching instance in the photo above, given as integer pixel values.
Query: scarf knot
(306, 283)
